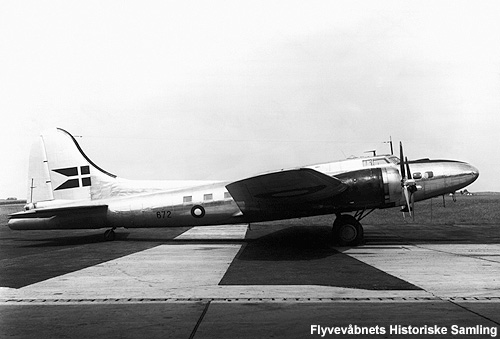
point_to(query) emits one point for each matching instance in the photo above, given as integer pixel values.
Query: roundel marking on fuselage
(198, 211)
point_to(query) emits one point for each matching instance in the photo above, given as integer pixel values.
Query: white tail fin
(60, 170)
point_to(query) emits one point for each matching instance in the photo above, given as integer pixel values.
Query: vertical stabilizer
(60, 170)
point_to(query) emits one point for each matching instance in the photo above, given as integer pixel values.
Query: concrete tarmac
(276, 280)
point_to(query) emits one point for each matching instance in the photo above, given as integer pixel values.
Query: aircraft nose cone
(472, 171)
(475, 172)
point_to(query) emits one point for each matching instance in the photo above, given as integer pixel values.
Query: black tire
(347, 231)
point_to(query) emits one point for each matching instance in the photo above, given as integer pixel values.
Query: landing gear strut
(109, 235)
(347, 231)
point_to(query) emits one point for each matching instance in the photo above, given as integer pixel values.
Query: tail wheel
(109, 235)
(347, 231)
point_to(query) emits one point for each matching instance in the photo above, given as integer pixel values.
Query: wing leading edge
(270, 193)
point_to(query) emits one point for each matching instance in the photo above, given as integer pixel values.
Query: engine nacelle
(369, 188)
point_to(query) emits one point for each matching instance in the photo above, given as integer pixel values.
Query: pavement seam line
(200, 319)
(473, 312)
(456, 254)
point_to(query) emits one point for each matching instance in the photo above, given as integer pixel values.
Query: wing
(274, 191)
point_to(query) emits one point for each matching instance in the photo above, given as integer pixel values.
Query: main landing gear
(109, 235)
(347, 230)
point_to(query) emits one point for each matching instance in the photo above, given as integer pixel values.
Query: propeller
(408, 184)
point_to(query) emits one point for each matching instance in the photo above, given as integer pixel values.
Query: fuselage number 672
(163, 214)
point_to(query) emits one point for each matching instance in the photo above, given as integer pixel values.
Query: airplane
(69, 191)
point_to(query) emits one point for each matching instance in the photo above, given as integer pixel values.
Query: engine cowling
(369, 188)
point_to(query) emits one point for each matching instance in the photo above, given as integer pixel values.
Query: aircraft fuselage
(373, 182)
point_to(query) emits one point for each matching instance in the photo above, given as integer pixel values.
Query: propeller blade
(401, 161)
(408, 185)
(407, 168)
(407, 198)
(413, 206)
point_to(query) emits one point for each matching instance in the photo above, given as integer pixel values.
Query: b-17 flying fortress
(68, 191)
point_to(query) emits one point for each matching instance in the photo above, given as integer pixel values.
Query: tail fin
(60, 170)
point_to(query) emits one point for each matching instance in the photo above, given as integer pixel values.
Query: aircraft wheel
(347, 231)
(109, 235)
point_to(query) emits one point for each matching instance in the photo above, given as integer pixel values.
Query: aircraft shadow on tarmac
(63, 241)
(304, 256)
(72, 238)
(280, 254)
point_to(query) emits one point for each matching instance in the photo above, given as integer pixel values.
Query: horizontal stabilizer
(70, 217)
(298, 186)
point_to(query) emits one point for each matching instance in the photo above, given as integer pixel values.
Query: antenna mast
(390, 142)
(31, 195)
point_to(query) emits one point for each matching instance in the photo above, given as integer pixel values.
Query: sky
(224, 90)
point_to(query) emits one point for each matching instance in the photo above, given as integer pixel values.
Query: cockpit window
(394, 160)
(375, 162)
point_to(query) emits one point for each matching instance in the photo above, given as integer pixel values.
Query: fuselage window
(227, 195)
(417, 175)
(207, 197)
(429, 174)
(187, 199)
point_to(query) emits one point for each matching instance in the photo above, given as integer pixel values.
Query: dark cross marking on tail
(82, 179)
